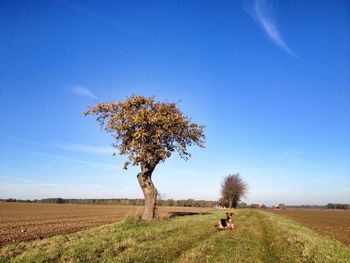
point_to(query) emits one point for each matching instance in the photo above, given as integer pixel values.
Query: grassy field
(334, 223)
(259, 237)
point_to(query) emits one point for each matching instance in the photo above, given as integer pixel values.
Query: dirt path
(268, 239)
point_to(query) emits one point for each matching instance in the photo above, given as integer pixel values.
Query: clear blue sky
(270, 80)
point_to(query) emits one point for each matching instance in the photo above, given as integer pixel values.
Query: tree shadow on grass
(175, 214)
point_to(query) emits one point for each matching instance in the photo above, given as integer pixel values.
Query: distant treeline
(123, 201)
(167, 202)
(338, 206)
(307, 206)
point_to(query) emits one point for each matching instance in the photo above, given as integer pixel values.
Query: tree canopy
(233, 188)
(148, 131)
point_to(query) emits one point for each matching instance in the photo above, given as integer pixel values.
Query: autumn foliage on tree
(148, 132)
(233, 188)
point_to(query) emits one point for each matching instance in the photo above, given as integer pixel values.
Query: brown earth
(27, 221)
(332, 223)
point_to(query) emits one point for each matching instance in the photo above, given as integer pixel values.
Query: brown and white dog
(227, 223)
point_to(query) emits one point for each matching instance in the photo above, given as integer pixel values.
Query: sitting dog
(227, 223)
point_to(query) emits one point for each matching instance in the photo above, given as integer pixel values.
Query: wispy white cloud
(72, 147)
(345, 189)
(82, 91)
(21, 140)
(85, 148)
(261, 11)
(37, 189)
(75, 160)
(99, 17)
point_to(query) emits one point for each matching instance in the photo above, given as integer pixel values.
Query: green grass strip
(258, 237)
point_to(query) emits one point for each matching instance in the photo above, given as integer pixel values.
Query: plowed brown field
(26, 221)
(332, 223)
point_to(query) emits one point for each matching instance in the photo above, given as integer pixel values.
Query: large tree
(148, 132)
(233, 188)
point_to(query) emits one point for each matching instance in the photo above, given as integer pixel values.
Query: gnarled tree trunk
(149, 191)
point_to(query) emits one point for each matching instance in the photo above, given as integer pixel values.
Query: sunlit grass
(258, 237)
